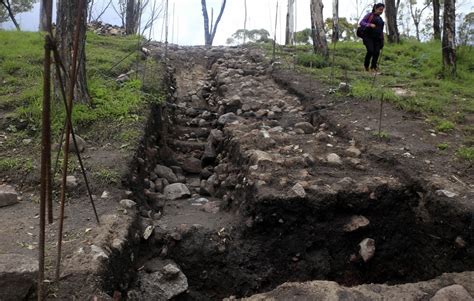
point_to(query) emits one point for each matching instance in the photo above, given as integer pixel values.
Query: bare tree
(210, 32)
(132, 16)
(290, 23)
(391, 9)
(67, 17)
(320, 45)
(436, 25)
(92, 6)
(416, 15)
(335, 21)
(449, 37)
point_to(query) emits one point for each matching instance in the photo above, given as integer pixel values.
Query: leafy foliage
(253, 36)
(17, 6)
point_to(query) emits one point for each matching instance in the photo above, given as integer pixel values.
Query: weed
(466, 153)
(443, 146)
(107, 176)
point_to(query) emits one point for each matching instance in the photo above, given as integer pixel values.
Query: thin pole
(274, 34)
(72, 82)
(166, 30)
(172, 29)
(380, 116)
(45, 148)
(245, 20)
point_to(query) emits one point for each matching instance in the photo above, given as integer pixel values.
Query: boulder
(8, 195)
(227, 118)
(165, 284)
(192, 165)
(176, 191)
(81, 144)
(18, 275)
(454, 292)
(166, 173)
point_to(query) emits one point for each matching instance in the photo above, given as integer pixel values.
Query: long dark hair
(377, 6)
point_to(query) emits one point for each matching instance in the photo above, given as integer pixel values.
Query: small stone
(344, 87)
(8, 195)
(367, 249)
(445, 193)
(148, 231)
(105, 194)
(334, 159)
(71, 182)
(298, 190)
(227, 118)
(176, 191)
(453, 292)
(170, 271)
(322, 136)
(460, 242)
(356, 222)
(127, 204)
(305, 126)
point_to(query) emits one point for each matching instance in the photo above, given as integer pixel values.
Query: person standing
(373, 36)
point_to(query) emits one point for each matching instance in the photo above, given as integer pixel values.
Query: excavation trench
(235, 234)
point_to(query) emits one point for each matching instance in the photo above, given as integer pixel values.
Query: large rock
(8, 195)
(81, 144)
(305, 126)
(192, 165)
(17, 276)
(166, 172)
(454, 292)
(165, 284)
(227, 118)
(209, 155)
(176, 191)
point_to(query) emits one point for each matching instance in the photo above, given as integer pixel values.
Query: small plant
(443, 146)
(10, 164)
(311, 60)
(466, 153)
(445, 126)
(107, 176)
(382, 135)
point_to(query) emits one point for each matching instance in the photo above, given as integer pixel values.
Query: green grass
(466, 153)
(411, 65)
(107, 176)
(443, 146)
(21, 57)
(16, 164)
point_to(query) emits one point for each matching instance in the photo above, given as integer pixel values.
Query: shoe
(367, 69)
(375, 71)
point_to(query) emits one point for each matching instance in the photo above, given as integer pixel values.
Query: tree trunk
(245, 21)
(290, 23)
(7, 5)
(132, 16)
(335, 21)
(436, 27)
(209, 34)
(320, 45)
(43, 19)
(67, 12)
(391, 15)
(449, 37)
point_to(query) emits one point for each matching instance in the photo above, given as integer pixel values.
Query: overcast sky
(186, 28)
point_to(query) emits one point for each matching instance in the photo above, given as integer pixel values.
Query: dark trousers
(373, 51)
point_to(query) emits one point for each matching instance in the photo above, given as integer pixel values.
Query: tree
(346, 29)
(210, 32)
(67, 17)
(320, 45)
(254, 35)
(466, 30)
(416, 15)
(335, 21)
(8, 9)
(436, 27)
(290, 23)
(449, 37)
(303, 36)
(133, 11)
(391, 9)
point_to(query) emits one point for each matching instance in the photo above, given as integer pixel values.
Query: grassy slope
(446, 103)
(114, 114)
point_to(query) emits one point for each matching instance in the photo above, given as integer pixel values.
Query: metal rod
(69, 120)
(380, 116)
(45, 195)
(274, 34)
(72, 82)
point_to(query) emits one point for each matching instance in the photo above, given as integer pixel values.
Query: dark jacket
(370, 32)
